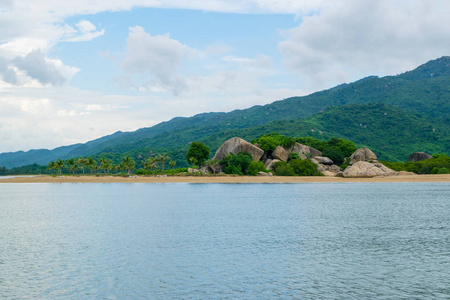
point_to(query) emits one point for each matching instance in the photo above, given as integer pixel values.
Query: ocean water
(225, 241)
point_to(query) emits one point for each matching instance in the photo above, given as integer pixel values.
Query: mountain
(416, 103)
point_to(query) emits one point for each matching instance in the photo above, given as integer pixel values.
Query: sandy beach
(218, 179)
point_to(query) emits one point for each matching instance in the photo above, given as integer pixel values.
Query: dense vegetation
(439, 164)
(394, 115)
(338, 149)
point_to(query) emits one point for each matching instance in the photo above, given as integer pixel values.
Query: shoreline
(221, 179)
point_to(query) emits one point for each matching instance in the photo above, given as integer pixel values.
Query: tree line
(104, 165)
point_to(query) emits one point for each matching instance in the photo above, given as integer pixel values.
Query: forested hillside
(416, 104)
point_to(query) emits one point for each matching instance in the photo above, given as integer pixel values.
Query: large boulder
(236, 145)
(366, 169)
(303, 149)
(362, 154)
(323, 160)
(280, 153)
(419, 156)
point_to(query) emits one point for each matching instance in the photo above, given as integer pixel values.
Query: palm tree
(212, 163)
(73, 165)
(193, 161)
(129, 163)
(162, 158)
(84, 162)
(51, 166)
(150, 163)
(172, 164)
(105, 164)
(92, 164)
(59, 164)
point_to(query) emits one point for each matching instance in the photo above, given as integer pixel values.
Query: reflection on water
(351, 241)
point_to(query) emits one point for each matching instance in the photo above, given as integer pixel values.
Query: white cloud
(158, 55)
(86, 32)
(44, 70)
(352, 39)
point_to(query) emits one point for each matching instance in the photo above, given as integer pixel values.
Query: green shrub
(283, 169)
(293, 155)
(236, 164)
(443, 171)
(255, 167)
(304, 167)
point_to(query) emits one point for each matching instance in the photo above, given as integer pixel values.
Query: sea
(225, 241)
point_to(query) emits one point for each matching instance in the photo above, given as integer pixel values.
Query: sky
(74, 71)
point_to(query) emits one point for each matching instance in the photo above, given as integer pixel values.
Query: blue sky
(74, 71)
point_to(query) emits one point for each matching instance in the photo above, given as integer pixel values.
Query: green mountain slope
(421, 95)
(393, 133)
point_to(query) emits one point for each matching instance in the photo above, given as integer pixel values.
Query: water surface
(227, 241)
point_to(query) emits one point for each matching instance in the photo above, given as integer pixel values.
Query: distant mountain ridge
(423, 94)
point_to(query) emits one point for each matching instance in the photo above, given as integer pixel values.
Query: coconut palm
(129, 163)
(150, 163)
(162, 158)
(84, 162)
(172, 164)
(193, 161)
(59, 164)
(105, 164)
(73, 165)
(92, 164)
(51, 166)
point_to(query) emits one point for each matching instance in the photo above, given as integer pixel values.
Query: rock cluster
(363, 162)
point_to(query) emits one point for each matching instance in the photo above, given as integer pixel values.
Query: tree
(73, 165)
(51, 166)
(59, 164)
(105, 164)
(236, 164)
(198, 151)
(172, 164)
(92, 164)
(84, 162)
(335, 154)
(162, 158)
(129, 164)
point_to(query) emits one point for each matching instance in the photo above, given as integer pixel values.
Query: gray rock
(366, 169)
(328, 173)
(236, 145)
(323, 160)
(335, 169)
(419, 156)
(272, 162)
(314, 161)
(321, 168)
(265, 174)
(328, 168)
(362, 154)
(280, 153)
(205, 169)
(190, 170)
(303, 150)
